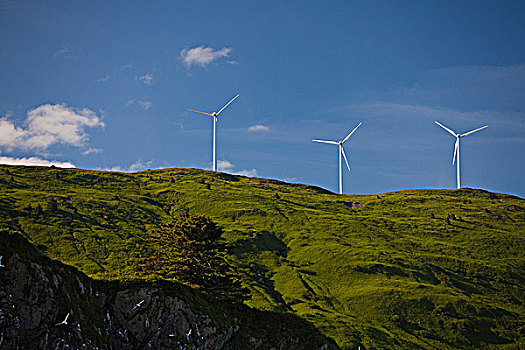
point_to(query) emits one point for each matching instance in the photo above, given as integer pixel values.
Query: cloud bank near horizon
(35, 161)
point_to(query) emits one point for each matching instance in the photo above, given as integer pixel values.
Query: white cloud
(140, 165)
(146, 78)
(144, 104)
(247, 172)
(499, 88)
(259, 127)
(224, 165)
(10, 136)
(510, 120)
(404, 129)
(92, 150)
(202, 56)
(47, 125)
(108, 76)
(34, 161)
(102, 79)
(66, 52)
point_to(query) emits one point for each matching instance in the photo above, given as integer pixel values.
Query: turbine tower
(341, 153)
(215, 119)
(456, 147)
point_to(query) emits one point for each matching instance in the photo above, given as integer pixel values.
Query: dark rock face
(34, 301)
(45, 304)
(161, 321)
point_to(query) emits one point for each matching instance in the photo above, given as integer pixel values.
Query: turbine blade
(473, 131)
(447, 129)
(455, 151)
(226, 105)
(346, 160)
(330, 142)
(211, 115)
(346, 138)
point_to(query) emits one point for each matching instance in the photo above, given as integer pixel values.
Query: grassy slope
(387, 274)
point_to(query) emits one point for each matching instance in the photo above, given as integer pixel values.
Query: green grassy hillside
(36, 292)
(409, 269)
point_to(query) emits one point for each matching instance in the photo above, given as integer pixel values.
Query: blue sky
(106, 85)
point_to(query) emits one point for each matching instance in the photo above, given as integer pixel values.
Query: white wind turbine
(456, 146)
(341, 152)
(215, 115)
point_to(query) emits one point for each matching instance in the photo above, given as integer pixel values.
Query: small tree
(189, 249)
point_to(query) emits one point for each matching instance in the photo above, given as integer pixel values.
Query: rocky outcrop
(148, 318)
(45, 304)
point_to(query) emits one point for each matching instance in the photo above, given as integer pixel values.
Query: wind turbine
(456, 146)
(341, 152)
(215, 115)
